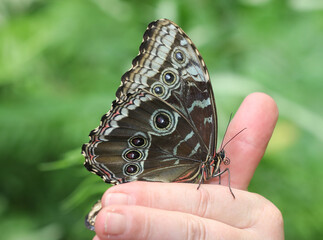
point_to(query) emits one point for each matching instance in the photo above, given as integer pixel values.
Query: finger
(209, 201)
(258, 113)
(134, 222)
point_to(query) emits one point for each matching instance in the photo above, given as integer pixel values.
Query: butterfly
(162, 127)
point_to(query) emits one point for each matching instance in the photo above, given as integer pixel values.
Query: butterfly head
(221, 157)
(214, 163)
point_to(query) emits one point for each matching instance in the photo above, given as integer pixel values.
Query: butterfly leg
(219, 176)
(201, 180)
(220, 173)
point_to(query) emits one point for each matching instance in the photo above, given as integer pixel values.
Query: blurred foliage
(60, 64)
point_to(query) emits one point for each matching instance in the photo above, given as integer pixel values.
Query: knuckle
(267, 210)
(139, 226)
(144, 231)
(195, 229)
(270, 221)
(276, 215)
(201, 205)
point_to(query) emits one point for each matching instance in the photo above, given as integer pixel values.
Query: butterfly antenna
(226, 132)
(233, 137)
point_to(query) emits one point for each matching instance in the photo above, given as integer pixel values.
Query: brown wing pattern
(162, 125)
(169, 70)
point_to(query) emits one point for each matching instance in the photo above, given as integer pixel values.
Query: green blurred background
(61, 62)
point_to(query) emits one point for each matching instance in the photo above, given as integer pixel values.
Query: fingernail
(115, 223)
(118, 198)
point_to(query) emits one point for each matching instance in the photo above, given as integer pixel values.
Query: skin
(146, 210)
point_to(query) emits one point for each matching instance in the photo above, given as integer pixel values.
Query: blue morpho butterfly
(162, 127)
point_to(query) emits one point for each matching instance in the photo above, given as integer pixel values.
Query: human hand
(147, 210)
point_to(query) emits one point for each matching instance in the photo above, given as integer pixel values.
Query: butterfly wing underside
(168, 74)
(163, 124)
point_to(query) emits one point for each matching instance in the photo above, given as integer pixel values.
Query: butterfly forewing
(167, 53)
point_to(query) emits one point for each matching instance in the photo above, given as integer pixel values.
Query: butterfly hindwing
(141, 139)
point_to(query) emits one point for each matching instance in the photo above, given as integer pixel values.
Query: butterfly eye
(162, 120)
(179, 56)
(138, 141)
(131, 169)
(169, 77)
(132, 155)
(159, 90)
(221, 154)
